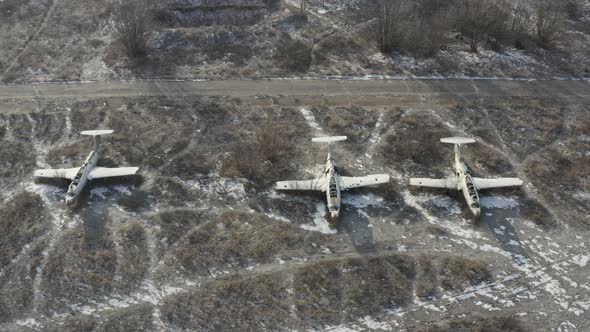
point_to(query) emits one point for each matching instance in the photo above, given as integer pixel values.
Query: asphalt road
(312, 92)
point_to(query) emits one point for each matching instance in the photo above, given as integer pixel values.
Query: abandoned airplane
(88, 171)
(331, 182)
(463, 181)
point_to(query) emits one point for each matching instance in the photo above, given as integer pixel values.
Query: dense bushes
(418, 27)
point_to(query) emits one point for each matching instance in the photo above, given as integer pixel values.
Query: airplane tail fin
(457, 140)
(329, 139)
(97, 134)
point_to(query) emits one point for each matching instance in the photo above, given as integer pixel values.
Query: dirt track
(412, 92)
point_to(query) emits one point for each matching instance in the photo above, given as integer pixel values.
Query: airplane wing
(103, 172)
(347, 182)
(65, 173)
(315, 184)
(496, 183)
(448, 183)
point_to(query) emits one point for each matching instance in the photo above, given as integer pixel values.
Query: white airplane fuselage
(78, 183)
(332, 188)
(465, 184)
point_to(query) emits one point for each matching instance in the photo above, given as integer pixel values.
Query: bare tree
(131, 26)
(386, 28)
(549, 20)
(480, 19)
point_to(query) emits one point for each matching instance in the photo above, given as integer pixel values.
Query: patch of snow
(29, 322)
(499, 202)
(310, 119)
(372, 324)
(581, 260)
(362, 201)
(320, 223)
(448, 204)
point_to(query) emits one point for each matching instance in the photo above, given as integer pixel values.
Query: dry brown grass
(480, 156)
(264, 156)
(75, 324)
(328, 292)
(174, 224)
(24, 219)
(426, 280)
(538, 214)
(356, 123)
(416, 138)
(458, 273)
(230, 305)
(17, 160)
(169, 191)
(89, 273)
(17, 282)
(133, 261)
(238, 239)
(478, 324)
(136, 318)
(292, 55)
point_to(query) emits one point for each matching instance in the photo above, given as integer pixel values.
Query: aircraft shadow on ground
(498, 222)
(354, 223)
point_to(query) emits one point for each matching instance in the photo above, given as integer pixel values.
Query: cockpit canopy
(333, 188)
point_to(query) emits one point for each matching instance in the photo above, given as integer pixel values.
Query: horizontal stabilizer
(329, 139)
(96, 132)
(457, 140)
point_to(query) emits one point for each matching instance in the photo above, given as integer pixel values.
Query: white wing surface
(347, 182)
(64, 173)
(103, 172)
(448, 183)
(496, 183)
(315, 184)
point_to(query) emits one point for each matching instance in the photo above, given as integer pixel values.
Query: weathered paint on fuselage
(81, 178)
(466, 185)
(332, 188)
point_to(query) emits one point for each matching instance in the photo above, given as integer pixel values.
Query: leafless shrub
(388, 16)
(292, 55)
(416, 27)
(522, 17)
(254, 159)
(131, 26)
(479, 20)
(271, 142)
(549, 20)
